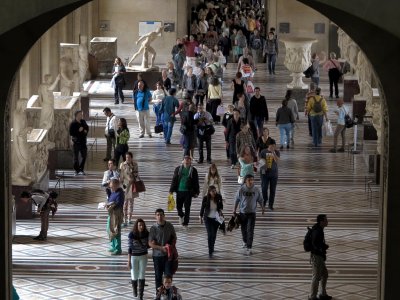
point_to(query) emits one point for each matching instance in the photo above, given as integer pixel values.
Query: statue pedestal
(104, 50)
(23, 206)
(151, 78)
(350, 87)
(300, 96)
(359, 104)
(64, 109)
(59, 159)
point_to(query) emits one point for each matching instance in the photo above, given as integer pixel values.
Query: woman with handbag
(211, 214)
(332, 65)
(128, 175)
(121, 145)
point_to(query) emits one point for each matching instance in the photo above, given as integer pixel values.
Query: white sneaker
(233, 166)
(244, 245)
(181, 219)
(249, 251)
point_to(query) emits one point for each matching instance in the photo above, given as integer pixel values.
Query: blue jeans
(271, 60)
(212, 229)
(139, 264)
(316, 129)
(161, 266)
(167, 127)
(315, 80)
(284, 130)
(259, 123)
(156, 109)
(248, 221)
(269, 180)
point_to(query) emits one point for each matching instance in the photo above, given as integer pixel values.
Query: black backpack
(348, 121)
(309, 72)
(317, 107)
(307, 243)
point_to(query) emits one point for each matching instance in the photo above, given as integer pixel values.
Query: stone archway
(17, 39)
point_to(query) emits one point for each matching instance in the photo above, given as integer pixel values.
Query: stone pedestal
(297, 59)
(300, 96)
(104, 50)
(23, 206)
(350, 87)
(150, 77)
(59, 159)
(64, 109)
(359, 104)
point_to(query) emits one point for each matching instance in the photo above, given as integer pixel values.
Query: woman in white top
(158, 96)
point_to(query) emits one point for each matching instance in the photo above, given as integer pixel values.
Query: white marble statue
(83, 60)
(22, 160)
(364, 73)
(46, 101)
(145, 47)
(67, 75)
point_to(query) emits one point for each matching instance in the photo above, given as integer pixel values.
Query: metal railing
(60, 178)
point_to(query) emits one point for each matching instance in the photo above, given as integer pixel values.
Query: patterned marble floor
(74, 264)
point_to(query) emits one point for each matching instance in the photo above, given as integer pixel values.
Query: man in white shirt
(109, 132)
(111, 173)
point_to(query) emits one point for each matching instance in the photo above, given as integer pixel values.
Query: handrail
(91, 147)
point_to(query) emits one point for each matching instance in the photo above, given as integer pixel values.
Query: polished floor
(74, 264)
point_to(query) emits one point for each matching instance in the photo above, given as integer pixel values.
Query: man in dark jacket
(185, 184)
(258, 111)
(232, 130)
(78, 130)
(318, 258)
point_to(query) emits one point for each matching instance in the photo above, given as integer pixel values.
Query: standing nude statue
(146, 40)
(46, 100)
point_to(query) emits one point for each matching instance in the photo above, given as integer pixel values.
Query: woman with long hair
(238, 86)
(246, 163)
(128, 174)
(263, 141)
(118, 80)
(121, 145)
(210, 212)
(212, 178)
(137, 256)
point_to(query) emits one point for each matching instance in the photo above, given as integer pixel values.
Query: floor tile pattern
(74, 264)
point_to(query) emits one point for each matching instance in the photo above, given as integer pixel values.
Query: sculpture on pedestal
(46, 101)
(297, 59)
(83, 60)
(22, 171)
(364, 73)
(145, 47)
(67, 75)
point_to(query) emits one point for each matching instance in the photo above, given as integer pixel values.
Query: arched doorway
(367, 35)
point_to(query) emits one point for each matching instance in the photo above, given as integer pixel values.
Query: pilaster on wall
(182, 18)
(30, 75)
(272, 16)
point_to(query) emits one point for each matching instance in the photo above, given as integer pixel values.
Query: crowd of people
(191, 87)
